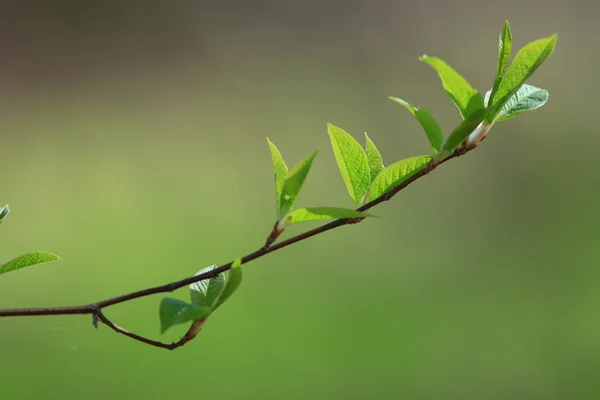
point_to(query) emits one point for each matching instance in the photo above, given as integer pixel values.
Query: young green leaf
(173, 312)
(281, 172)
(352, 161)
(293, 184)
(323, 213)
(373, 157)
(526, 62)
(460, 133)
(466, 99)
(395, 174)
(27, 260)
(429, 124)
(234, 280)
(527, 98)
(4, 212)
(207, 292)
(504, 49)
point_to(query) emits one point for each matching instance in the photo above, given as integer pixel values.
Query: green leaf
(352, 161)
(281, 172)
(4, 212)
(395, 174)
(234, 280)
(324, 213)
(174, 312)
(466, 99)
(293, 184)
(527, 98)
(207, 292)
(461, 132)
(526, 62)
(373, 157)
(504, 49)
(28, 259)
(429, 124)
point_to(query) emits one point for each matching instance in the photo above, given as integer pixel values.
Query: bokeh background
(133, 145)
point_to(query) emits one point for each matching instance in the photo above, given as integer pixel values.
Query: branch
(96, 309)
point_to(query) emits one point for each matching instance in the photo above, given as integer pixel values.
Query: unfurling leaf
(460, 133)
(234, 280)
(4, 212)
(395, 174)
(281, 172)
(504, 49)
(173, 312)
(323, 213)
(207, 291)
(352, 162)
(527, 98)
(293, 184)
(373, 157)
(462, 94)
(429, 124)
(27, 260)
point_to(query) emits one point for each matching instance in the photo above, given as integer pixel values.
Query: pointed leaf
(173, 312)
(281, 172)
(207, 292)
(466, 99)
(293, 184)
(234, 280)
(395, 174)
(460, 133)
(4, 212)
(429, 124)
(323, 213)
(27, 260)
(526, 62)
(352, 161)
(527, 98)
(504, 49)
(373, 157)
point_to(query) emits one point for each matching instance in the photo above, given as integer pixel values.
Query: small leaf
(207, 291)
(429, 124)
(466, 99)
(281, 172)
(234, 280)
(4, 212)
(373, 157)
(352, 162)
(526, 62)
(174, 312)
(461, 132)
(27, 260)
(395, 174)
(504, 49)
(293, 184)
(527, 98)
(324, 213)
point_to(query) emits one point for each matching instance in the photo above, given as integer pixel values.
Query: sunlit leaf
(526, 62)
(504, 49)
(395, 174)
(27, 260)
(234, 280)
(323, 213)
(293, 184)
(174, 312)
(466, 99)
(352, 162)
(207, 291)
(527, 98)
(429, 124)
(4, 212)
(281, 172)
(373, 157)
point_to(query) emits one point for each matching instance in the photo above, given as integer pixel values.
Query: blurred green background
(133, 145)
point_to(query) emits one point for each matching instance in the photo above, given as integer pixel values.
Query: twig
(96, 308)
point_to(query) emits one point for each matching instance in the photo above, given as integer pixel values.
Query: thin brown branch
(96, 308)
